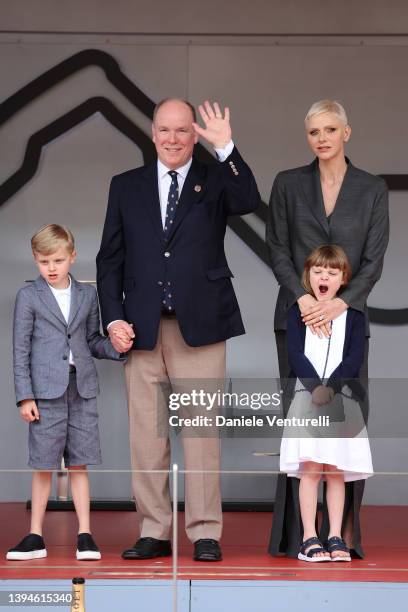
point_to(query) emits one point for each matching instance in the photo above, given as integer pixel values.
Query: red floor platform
(244, 543)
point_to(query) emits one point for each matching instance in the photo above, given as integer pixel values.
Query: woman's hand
(307, 305)
(323, 313)
(320, 315)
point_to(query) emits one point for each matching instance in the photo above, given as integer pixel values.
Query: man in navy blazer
(165, 290)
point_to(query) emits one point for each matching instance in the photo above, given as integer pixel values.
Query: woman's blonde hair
(326, 256)
(327, 106)
(50, 238)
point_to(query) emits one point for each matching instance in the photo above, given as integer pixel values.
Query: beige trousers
(172, 359)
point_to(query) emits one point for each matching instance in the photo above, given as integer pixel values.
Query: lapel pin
(197, 188)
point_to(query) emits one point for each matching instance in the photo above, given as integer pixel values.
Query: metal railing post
(175, 534)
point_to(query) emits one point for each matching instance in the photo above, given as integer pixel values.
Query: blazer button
(167, 254)
(69, 336)
(65, 357)
(160, 283)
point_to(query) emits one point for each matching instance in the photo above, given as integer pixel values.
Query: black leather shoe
(148, 548)
(207, 550)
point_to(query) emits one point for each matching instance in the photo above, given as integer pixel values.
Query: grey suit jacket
(42, 341)
(297, 224)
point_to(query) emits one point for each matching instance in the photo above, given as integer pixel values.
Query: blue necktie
(172, 203)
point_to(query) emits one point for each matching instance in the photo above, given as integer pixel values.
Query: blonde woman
(329, 201)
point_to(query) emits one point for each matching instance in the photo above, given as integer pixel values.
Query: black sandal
(310, 555)
(335, 543)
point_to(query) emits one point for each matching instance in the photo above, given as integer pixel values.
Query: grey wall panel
(185, 16)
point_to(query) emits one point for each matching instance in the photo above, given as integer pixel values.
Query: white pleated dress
(352, 454)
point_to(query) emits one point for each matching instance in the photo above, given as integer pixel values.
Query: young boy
(56, 333)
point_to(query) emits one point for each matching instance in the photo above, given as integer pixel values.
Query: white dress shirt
(63, 297)
(164, 178)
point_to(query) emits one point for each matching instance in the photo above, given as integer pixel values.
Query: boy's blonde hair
(50, 238)
(326, 256)
(327, 106)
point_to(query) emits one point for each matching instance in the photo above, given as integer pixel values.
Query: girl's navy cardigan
(353, 353)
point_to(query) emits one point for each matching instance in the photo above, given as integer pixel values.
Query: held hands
(217, 128)
(322, 395)
(29, 411)
(121, 335)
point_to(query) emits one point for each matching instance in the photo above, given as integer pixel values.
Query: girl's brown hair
(326, 256)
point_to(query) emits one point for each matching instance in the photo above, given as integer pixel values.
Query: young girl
(324, 368)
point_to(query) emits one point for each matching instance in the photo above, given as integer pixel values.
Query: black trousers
(287, 529)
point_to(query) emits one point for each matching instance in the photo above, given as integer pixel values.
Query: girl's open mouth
(323, 288)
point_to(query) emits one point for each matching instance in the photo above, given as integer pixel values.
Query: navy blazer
(135, 261)
(353, 353)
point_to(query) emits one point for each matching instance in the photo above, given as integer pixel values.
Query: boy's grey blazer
(42, 341)
(297, 224)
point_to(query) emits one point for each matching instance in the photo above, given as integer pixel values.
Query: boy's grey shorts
(68, 427)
